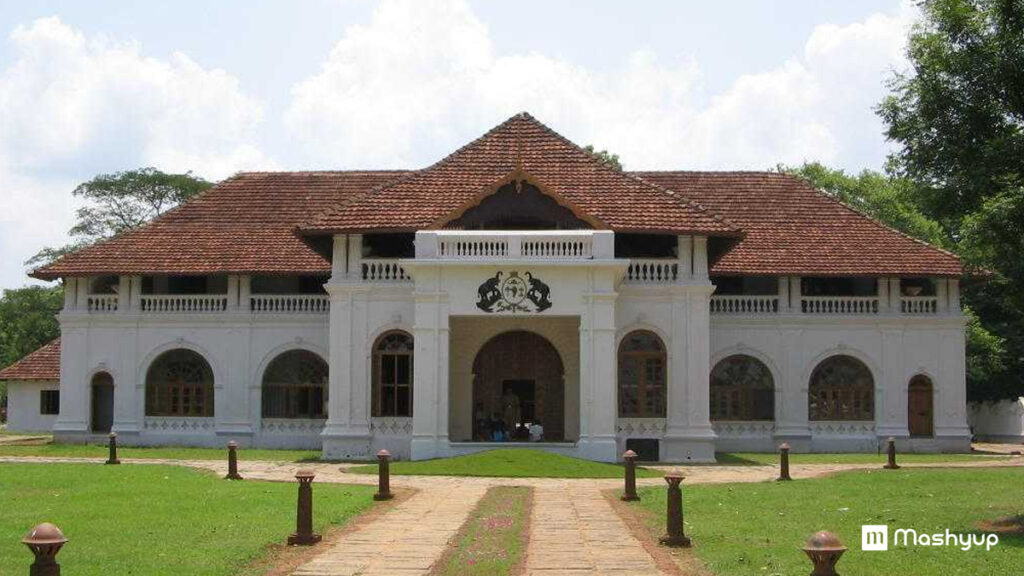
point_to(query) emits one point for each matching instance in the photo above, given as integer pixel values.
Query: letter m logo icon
(874, 538)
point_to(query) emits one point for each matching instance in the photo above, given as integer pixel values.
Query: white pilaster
(954, 295)
(70, 294)
(941, 296)
(950, 401)
(700, 257)
(684, 249)
(346, 433)
(791, 418)
(430, 369)
(784, 304)
(598, 370)
(795, 295)
(233, 296)
(124, 294)
(895, 295)
(890, 389)
(688, 434)
(245, 293)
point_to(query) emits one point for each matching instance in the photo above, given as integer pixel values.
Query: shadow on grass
(728, 459)
(1010, 530)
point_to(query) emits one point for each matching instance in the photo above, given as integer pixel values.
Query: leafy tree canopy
(957, 116)
(120, 202)
(604, 156)
(27, 322)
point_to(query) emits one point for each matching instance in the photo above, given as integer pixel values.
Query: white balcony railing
(919, 304)
(184, 303)
(515, 245)
(744, 304)
(101, 303)
(290, 303)
(652, 271)
(839, 304)
(384, 270)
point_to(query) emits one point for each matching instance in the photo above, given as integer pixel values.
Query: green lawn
(744, 529)
(508, 462)
(759, 458)
(155, 520)
(492, 541)
(162, 452)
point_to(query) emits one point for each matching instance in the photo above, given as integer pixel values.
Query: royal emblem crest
(513, 293)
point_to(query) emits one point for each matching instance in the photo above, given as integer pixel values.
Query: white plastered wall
(23, 406)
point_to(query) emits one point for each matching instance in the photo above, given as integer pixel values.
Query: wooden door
(102, 402)
(920, 407)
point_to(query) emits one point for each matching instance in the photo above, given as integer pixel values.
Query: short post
(45, 541)
(233, 462)
(674, 518)
(629, 493)
(824, 549)
(112, 444)
(891, 465)
(784, 462)
(383, 476)
(304, 535)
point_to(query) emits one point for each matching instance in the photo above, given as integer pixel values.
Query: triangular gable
(521, 145)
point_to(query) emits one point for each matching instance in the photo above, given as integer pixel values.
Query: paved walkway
(406, 540)
(574, 531)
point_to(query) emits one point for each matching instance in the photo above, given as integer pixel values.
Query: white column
(598, 371)
(233, 297)
(129, 391)
(688, 434)
(70, 294)
(82, 288)
(795, 295)
(791, 422)
(430, 369)
(884, 304)
(73, 420)
(355, 257)
(941, 296)
(784, 305)
(954, 295)
(891, 389)
(950, 389)
(346, 434)
(124, 294)
(684, 249)
(895, 295)
(700, 257)
(135, 298)
(245, 293)
(339, 260)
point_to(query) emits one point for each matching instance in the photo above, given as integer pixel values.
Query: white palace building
(518, 280)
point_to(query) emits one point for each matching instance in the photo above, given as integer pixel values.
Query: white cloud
(421, 78)
(72, 106)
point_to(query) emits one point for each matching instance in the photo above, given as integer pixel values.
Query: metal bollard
(824, 549)
(383, 476)
(674, 518)
(784, 462)
(233, 462)
(45, 541)
(304, 535)
(891, 465)
(112, 444)
(629, 494)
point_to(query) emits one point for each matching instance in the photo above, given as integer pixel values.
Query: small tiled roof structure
(43, 364)
(279, 222)
(792, 228)
(522, 148)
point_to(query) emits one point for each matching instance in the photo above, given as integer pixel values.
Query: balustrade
(184, 303)
(384, 270)
(290, 303)
(652, 271)
(839, 304)
(744, 304)
(101, 303)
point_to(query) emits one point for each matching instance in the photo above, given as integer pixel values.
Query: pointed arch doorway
(519, 377)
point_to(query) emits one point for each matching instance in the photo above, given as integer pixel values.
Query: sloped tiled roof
(791, 228)
(521, 147)
(255, 223)
(243, 225)
(43, 364)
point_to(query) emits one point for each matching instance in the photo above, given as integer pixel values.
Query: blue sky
(217, 87)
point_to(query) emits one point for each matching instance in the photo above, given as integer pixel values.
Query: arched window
(392, 375)
(841, 388)
(742, 388)
(295, 386)
(179, 383)
(641, 376)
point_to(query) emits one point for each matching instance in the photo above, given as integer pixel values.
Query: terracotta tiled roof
(43, 364)
(791, 228)
(243, 225)
(521, 147)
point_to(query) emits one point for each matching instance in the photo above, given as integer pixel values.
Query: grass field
(158, 452)
(744, 529)
(155, 520)
(761, 458)
(493, 540)
(508, 462)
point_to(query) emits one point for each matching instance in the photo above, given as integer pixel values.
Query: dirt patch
(643, 526)
(1014, 525)
(282, 560)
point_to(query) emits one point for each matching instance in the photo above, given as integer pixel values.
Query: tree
(120, 202)
(958, 118)
(891, 200)
(604, 157)
(27, 321)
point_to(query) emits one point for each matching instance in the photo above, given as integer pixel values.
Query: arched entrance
(519, 377)
(102, 402)
(920, 407)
